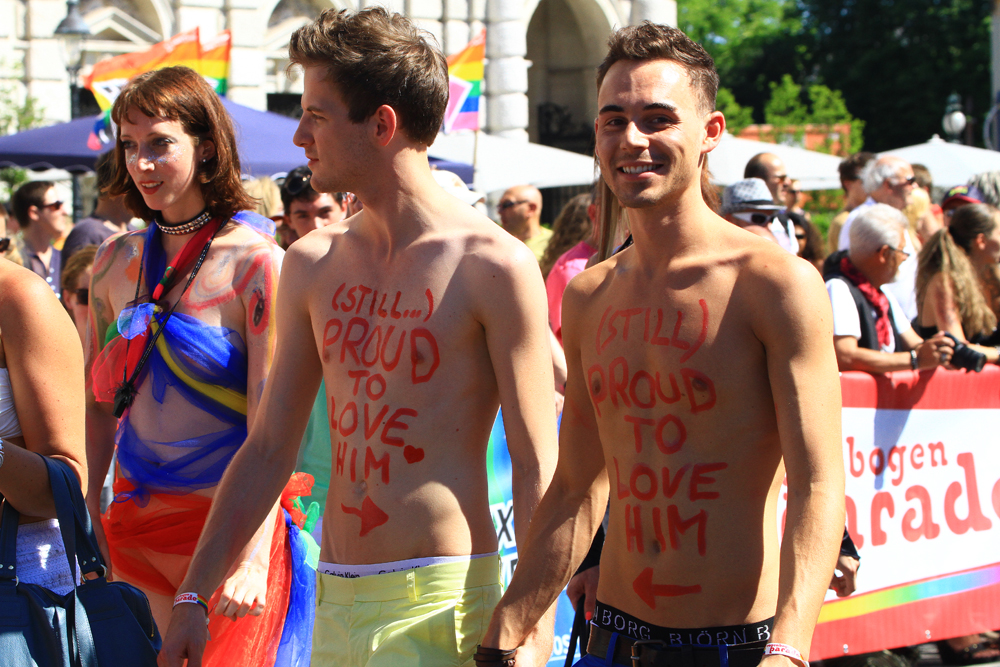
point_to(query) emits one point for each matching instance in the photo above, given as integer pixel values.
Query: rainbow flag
(214, 64)
(465, 79)
(105, 81)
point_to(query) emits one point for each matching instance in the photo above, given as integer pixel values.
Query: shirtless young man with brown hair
(701, 372)
(423, 317)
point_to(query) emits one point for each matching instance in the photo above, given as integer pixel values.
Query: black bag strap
(579, 632)
(76, 529)
(8, 542)
(74, 519)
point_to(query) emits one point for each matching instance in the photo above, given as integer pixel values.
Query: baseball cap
(968, 194)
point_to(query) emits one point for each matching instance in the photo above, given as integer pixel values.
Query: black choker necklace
(192, 225)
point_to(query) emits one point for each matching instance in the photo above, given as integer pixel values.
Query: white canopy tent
(949, 164)
(813, 170)
(502, 163)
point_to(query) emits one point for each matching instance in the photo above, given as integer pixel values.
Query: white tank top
(9, 426)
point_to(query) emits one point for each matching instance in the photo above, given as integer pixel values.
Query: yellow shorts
(428, 617)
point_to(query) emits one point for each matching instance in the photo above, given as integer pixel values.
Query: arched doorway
(566, 41)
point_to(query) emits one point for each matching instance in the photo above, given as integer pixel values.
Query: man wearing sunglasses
(520, 210)
(870, 331)
(42, 216)
(748, 204)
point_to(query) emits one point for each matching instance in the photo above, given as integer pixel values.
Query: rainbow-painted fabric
(209, 58)
(465, 78)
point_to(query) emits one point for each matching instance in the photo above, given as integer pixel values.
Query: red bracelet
(192, 598)
(789, 652)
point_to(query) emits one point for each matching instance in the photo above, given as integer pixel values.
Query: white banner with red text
(922, 462)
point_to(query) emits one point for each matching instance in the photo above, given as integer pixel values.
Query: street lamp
(954, 120)
(72, 32)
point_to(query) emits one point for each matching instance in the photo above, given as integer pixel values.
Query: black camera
(965, 357)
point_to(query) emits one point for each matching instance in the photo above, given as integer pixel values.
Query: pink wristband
(192, 598)
(789, 652)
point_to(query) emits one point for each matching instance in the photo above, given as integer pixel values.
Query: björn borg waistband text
(615, 620)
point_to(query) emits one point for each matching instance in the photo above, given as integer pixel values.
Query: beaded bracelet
(192, 598)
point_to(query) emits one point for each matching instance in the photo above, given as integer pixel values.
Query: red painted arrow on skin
(371, 516)
(648, 591)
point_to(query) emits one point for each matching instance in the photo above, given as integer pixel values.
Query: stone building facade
(541, 54)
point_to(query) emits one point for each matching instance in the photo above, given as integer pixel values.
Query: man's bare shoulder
(585, 285)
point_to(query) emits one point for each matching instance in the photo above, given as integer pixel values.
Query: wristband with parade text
(789, 652)
(192, 598)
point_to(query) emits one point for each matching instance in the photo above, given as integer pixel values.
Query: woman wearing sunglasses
(41, 412)
(181, 338)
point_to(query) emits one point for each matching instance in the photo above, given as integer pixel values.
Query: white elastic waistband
(368, 569)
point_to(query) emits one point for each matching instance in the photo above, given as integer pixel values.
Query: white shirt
(847, 322)
(784, 234)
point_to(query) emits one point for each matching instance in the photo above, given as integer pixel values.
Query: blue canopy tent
(264, 139)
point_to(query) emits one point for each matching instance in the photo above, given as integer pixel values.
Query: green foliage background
(892, 62)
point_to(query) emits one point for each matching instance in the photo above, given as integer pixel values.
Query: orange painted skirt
(152, 547)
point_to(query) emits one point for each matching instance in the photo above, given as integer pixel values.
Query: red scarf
(875, 297)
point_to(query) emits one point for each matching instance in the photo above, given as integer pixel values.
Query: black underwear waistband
(614, 620)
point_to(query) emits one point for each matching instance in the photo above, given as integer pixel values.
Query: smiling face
(336, 148)
(650, 133)
(163, 160)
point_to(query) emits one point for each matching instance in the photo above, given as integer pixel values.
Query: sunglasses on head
(297, 184)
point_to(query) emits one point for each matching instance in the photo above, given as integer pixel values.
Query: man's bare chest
(379, 328)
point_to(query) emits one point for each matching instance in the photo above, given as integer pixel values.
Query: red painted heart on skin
(413, 454)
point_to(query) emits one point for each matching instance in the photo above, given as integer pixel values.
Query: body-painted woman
(179, 346)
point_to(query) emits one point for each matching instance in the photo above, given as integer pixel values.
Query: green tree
(788, 113)
(896, 61)
(737, 116)
(728, 28)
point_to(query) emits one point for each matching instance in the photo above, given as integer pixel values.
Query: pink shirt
(570, 263)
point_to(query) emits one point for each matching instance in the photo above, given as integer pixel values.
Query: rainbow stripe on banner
(105, 81)
(465, 75)
(912, 592)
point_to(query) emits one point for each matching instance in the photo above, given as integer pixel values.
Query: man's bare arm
(850, 357)
(514, 314)
(795, 324)
(568, 515)
(257, 474)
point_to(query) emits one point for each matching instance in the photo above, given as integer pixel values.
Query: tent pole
(475, 156)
